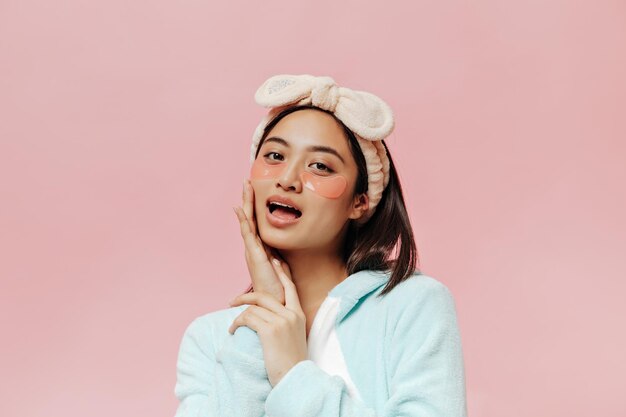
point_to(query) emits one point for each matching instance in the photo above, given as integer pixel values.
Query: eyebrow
(313, 148)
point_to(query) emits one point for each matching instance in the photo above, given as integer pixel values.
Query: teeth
(281, 204)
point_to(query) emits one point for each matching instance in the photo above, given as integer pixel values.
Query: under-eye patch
(326, 186)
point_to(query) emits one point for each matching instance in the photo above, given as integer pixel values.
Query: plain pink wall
(124, 136)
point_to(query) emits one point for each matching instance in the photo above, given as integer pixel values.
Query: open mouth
(283, 211)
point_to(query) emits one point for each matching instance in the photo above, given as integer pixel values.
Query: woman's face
(306, 160)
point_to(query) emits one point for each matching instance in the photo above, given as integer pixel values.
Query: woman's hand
(263, 275)
(281, 328)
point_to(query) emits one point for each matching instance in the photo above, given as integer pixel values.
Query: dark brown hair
(370, 245)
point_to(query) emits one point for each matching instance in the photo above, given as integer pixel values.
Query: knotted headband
(366, 115)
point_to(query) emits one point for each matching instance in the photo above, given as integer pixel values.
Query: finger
(250, 319)
(286, 268)
(267, 249)
(292, 302)
(260, 299)
(248, 204)
(250, 240)
(244, 225)
(270, 251)
(262, 312)
(283, 263)
(273, 253)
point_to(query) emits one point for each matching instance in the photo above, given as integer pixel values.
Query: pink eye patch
(329, 187)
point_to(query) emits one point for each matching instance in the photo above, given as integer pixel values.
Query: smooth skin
(281, 328)
(309, 251)
(257, 253)
(277, 317)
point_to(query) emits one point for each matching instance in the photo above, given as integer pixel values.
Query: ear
(360, 204)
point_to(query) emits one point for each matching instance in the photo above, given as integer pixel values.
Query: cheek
(329, 187)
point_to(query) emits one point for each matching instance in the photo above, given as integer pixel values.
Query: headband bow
(366, 115)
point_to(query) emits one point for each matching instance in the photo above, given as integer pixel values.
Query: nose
(289, 179)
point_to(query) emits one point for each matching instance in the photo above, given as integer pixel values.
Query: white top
(323, 344)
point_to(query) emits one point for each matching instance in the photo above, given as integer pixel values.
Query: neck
(314, 274)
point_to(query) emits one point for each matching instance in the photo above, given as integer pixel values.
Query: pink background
(124, 136)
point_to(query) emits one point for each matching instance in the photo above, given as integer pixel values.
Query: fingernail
(276, 261)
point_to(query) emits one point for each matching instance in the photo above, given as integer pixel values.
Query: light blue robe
(399, 355)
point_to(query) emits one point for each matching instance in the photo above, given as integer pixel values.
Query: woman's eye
(323, 167)
(273, 153)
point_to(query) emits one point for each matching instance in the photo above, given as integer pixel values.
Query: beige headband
(366, 115)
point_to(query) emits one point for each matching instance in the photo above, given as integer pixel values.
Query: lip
(283, 200)
(277, 221)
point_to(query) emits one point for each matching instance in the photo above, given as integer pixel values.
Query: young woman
(338, 321)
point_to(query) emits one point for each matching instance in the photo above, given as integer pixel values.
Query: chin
(277, 238)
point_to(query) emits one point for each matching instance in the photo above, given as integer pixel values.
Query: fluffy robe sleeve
(229, 381)
(424, 360)
(195, 370)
